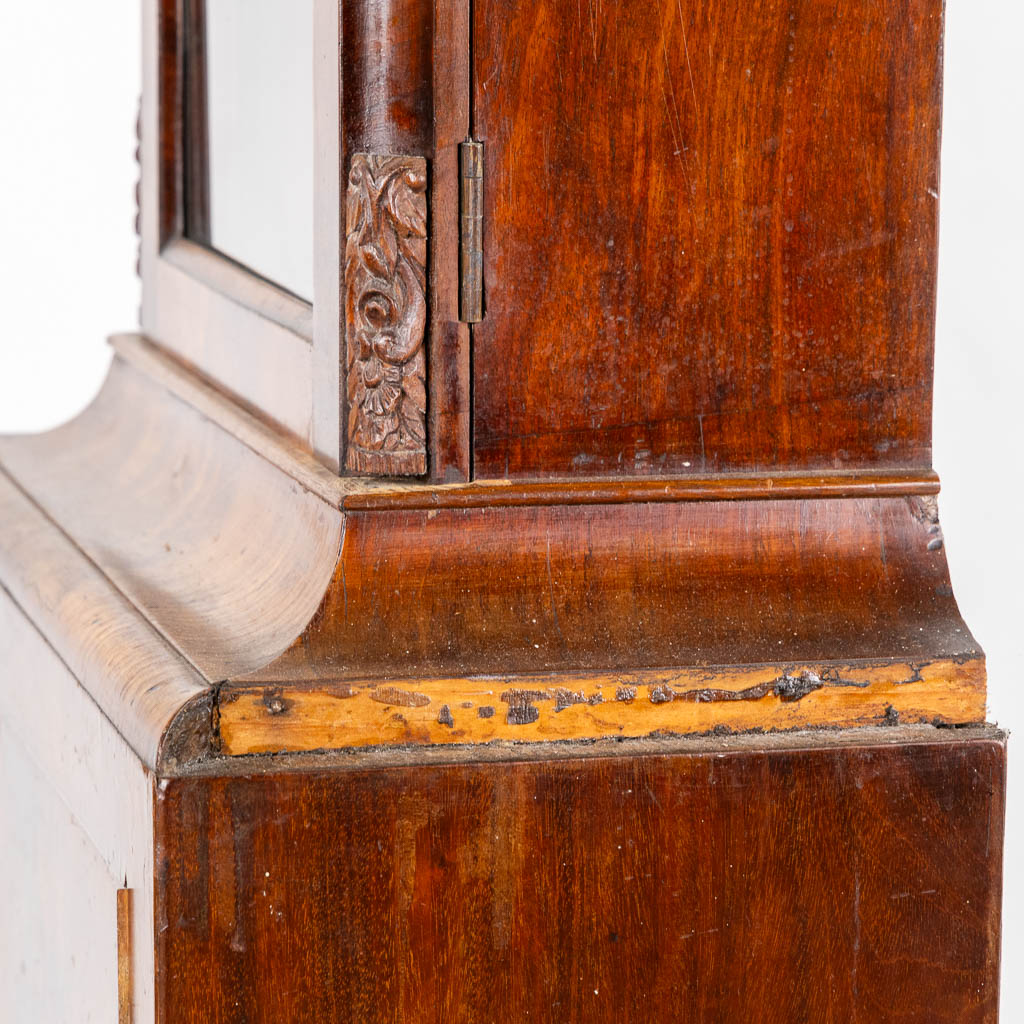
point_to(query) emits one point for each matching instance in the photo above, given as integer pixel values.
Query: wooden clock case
(606, 668)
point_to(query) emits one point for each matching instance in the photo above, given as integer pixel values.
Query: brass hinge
(471, 232)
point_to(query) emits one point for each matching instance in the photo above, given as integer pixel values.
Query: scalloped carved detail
(386, 315)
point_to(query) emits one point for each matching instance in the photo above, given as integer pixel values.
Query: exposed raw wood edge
(139, 681)
(125, 956)
(721, 744)
(361, 494)
(269, 718)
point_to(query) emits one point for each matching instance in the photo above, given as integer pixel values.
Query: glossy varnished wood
(416, 103)
(621, 619)
(710, 235)
(562, 610)
(564, 742)
(826, 882)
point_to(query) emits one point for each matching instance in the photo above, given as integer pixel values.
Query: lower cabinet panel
(827, 883)
(59, 964)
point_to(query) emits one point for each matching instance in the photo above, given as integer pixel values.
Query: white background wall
(69, 81)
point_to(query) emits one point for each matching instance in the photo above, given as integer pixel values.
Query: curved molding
(217, 591)
(128, 669)
(159, 555)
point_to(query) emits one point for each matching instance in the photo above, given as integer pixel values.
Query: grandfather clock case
(501, 579)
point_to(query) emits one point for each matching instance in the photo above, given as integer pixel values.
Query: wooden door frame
(276, 354)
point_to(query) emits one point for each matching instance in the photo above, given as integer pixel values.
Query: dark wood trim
(450, 408)
(195, 125)
(618, 492)
(418, 105)
(171, 117)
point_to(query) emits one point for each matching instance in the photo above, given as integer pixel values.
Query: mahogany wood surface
(415, 104)
(710, 235)
(277, 618)
(855, 881)
(559, 729)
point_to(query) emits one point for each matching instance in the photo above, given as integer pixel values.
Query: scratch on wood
(925, 509)
(399, 698)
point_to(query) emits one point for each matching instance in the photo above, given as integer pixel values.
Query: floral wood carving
(386, 314)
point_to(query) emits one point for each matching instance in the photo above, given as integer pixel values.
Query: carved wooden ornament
(386, 314)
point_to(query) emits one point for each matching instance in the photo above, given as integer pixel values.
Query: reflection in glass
(258, 73)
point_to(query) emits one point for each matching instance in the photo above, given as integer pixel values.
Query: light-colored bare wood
(226, 334)
(78, 761)
(227, 278)
(328, 264)
(226, 557)
(445, 711)
(133, 674)
(256, 434)
(58, 947)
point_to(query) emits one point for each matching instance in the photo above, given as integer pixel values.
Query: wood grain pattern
(368, 494)
(710, 235)
(220, 529)
(241, 560)
(125, 957)
(555, 608)
(136, 677)
(450, 406)
(386, 315)
(79, 762)
(276, 718)
(416, 102)
(828, 883)
(527, 748)
(620, 587)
